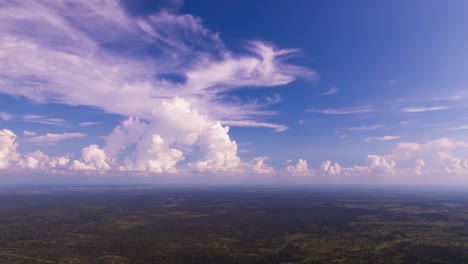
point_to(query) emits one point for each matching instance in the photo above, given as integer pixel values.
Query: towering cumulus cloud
(166, 72)
(159, 143)
(8, 154)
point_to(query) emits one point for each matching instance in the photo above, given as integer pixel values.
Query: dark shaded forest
(233, 225)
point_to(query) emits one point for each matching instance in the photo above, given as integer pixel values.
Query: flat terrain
(233, 225)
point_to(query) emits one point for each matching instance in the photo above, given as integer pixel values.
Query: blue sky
(315, 91)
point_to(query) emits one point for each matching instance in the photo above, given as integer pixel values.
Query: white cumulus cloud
(258, 165)
(174, 129)
(8, 154)
(418, 168)
(92, 158)
(300, 169)
(380, 165)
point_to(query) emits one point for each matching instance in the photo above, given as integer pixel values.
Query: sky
(344, 92)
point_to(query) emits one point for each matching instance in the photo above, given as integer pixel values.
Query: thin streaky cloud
(28, 133)
(382, 138)
(330, 91)
(251, 123)
(418, 109)
(344, 111)
(42, 119)
(52, 138)
(276, 98)
(452, 97)
(5, 116)
(87, 124)
(458, 128)
(364, 128)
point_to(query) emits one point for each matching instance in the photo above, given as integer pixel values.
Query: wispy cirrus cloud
(251, 123)
(382, 138)
(43, 119)
(69, 53)
(88, 123)
(5, 116)
(344, 111)
(420, 109)
(28, 133)
(365, 128)
(51, 138)
(330, 91)
(457, 128)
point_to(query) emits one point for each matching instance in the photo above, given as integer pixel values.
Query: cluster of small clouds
(157, 154)
(407, 159)
(300, 169)
(374, 166)
(135, 146)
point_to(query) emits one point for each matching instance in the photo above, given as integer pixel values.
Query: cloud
(458, 128)
(300, 169)
(28, 133)
(175, 129)
(276, 98)
(8, 154)
(382, 138)
(258, 165)
(92, 158)
(440, 156)
(418, 168)
(51, 138)
(42, 119)
(35, 160)
(416, 109)
(87, 124)
(38, 160)
(375, 165)
(5, 116)
(59, 162)
(445, 143)
(69, 63)
(329, 169)
(330, 91)
(252, 123)
(176, 80)
(453, 164)
(380, 165)
(364, 128)
(344, 111)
